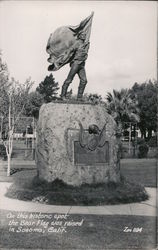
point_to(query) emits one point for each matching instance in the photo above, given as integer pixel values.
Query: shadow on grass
(59, 193)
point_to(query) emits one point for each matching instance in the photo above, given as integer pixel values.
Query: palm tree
(122, 107)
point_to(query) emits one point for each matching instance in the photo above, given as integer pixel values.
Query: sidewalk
(146, 208)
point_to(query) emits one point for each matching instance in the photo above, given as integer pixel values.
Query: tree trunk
(8, 168)
(149, 133)
(10, 149)
(119, 142)
(9, 142)
(143, 133)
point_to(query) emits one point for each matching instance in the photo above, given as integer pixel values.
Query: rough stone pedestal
(68, 150)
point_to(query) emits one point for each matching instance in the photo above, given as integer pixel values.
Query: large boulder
(76, 143)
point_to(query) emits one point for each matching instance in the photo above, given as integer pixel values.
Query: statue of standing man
(70, 44)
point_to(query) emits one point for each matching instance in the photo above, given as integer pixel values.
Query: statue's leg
(83, 82)
(74, 69)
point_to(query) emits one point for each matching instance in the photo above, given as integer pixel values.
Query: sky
(123, 42)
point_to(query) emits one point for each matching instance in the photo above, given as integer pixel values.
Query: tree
(121, 106)
(93, 98)
(146, 96)
(35, 101)
(17, 98)
(13, 97)
(48, 88)
(4, 88)
(4, 74)
(123, 109)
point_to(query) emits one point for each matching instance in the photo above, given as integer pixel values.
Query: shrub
(123, 150)
(143, 150)
(140, 141)
(60, 193)
(152, 142)
(3, 153)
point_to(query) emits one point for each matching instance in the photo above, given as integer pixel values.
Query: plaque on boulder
(84, 156)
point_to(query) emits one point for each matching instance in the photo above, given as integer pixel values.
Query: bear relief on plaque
(92, 147)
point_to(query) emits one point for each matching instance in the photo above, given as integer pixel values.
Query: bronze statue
(70, 44)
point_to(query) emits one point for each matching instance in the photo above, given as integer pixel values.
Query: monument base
(76, 143)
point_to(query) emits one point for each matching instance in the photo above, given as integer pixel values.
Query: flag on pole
(84, 27)
(62, 40)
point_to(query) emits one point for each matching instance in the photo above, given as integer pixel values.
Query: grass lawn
(141, 171)
(96, 232)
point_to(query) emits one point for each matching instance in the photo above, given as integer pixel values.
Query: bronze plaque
(85, 156)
